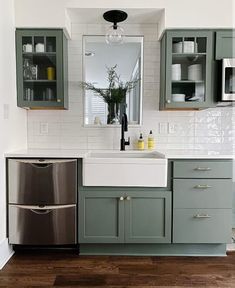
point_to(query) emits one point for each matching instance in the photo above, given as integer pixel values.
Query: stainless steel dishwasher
(42, 197)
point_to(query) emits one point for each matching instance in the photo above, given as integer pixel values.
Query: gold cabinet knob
(121, 198)
(128, 198)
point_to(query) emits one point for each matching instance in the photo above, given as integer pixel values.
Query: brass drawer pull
(201, 216)
(202, 186)
(202, 169)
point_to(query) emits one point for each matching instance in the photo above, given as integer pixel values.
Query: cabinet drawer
(202, 193)
(202, 225)
(203, 169)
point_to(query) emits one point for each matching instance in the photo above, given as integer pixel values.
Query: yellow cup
(50, 73)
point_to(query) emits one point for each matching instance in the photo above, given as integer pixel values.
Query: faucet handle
(128, 141)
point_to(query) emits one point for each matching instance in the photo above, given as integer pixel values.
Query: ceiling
(95, 15)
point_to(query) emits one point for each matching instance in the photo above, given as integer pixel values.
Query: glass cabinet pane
(188, 69)
(50, 44)
(39, 76)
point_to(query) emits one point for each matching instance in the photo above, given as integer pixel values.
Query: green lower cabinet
(110, 215)
(148, 217)
(202, 225)
(101, 217)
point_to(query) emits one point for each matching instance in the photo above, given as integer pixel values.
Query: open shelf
(186, 81)
(40, 81)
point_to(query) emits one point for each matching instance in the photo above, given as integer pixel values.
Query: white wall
(13, 121)
(179, 13)
(209, 129)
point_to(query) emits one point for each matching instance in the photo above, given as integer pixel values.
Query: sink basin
(125, 168)
(124, 154)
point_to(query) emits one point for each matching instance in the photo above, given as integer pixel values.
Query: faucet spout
(124, 128)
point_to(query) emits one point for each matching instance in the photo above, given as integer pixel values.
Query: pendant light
(115, 33)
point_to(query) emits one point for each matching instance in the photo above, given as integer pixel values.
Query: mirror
(126, 60)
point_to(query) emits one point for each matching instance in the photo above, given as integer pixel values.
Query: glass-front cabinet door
(188, 69)
(40, 68)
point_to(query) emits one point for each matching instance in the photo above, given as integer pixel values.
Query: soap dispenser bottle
(141, 142)
(151, 142)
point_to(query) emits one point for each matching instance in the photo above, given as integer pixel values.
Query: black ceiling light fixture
(115, 33)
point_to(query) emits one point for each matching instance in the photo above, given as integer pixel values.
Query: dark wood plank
(68, 269)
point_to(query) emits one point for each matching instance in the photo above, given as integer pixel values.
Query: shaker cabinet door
(148, 217)
(101, 216)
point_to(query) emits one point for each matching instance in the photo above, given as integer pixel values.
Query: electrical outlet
(172, 128)
(163, 128)
(44, 128)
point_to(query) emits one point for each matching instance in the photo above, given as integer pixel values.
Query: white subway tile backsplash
(206, 129)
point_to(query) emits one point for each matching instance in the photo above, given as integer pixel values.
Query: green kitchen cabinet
(148, 217)
(101, 216)
(124, 215)
(225, 44)
(186, 69)
(42, 69)
(202, 205)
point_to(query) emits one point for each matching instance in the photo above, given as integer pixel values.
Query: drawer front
(202, 193)
(47, 182)
(202, 225)
(54, 225)
(203, 169)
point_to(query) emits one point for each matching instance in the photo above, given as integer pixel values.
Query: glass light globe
(114, 36)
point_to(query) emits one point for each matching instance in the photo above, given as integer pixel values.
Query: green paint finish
(166, 69)
(154, 249)
(203, 169)
(202, 193)
(124, 215)
(225, 43)
(57, 58)
(148, 217)
(202, 225)
(101, 217)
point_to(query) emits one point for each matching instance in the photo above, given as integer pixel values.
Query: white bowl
(178, 97)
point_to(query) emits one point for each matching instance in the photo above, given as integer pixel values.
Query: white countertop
(70, 153)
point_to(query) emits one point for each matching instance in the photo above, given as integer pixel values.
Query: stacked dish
(188, 47)
(176, 72)
(195, 72)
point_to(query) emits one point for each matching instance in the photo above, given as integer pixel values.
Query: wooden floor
(67, 269)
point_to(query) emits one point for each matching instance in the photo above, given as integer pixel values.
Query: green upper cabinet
(41, 65)
(186, 69)
(225, 43)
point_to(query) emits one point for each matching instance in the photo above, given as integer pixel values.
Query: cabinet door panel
(100, 217)
(148, 217)
(40, 68)
(188, 69)
(225, 41)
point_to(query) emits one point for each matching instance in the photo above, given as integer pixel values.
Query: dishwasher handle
(43, 208)
(41, 211)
